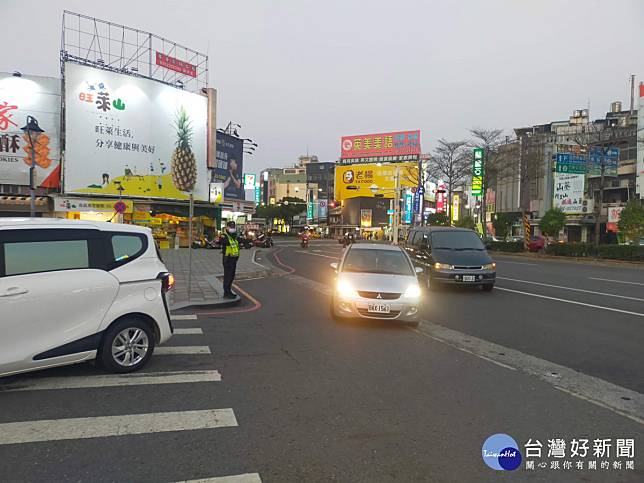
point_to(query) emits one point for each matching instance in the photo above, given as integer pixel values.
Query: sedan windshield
(391, 262)
(456, 240)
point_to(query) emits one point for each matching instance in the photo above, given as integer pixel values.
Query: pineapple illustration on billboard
(184, 163)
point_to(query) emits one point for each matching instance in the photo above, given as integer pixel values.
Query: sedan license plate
(469, 278)
(379, 308)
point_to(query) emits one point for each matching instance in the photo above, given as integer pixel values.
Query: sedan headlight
(443, 266)
(489, 266)
(413, 291)
(345, 289)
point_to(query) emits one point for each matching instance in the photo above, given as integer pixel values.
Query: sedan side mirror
(334, 266)
(418, 269)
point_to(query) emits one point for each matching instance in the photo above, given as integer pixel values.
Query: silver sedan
(376, 281)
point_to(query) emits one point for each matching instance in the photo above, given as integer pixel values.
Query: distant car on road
(376, 281)
(537, 244)
(451, 256)
(72, 291)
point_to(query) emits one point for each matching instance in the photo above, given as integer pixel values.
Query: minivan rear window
(456, 240)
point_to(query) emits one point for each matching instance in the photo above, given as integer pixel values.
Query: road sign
(120, 207)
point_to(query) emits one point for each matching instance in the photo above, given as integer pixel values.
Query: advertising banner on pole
(409, 207)
(569, 193)
(323, 206)
(614, 212)
(477, 172)
(133, 137)
(230, 165)
(38, 97)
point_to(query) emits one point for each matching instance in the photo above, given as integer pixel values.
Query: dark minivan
(451, 255)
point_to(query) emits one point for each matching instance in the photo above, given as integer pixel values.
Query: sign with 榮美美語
(133, 137)
(376, 147)
(569, 193)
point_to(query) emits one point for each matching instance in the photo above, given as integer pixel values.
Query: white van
(72, 291)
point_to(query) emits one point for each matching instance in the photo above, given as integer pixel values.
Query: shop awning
(22, 204)
(184, 210)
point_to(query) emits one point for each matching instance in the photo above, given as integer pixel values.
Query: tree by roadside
(552, 222)
(450, 163)
(631, 220)
(501, 223)
(438, 219)
(466, 222)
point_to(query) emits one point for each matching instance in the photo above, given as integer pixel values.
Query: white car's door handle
(14, 291)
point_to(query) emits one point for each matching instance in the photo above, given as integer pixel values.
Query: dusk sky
(297, 75)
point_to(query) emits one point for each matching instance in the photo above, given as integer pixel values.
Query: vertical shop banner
(440, 197)
(569, 193)
(614, 212)
(365, 218)
(38, 97)
(249, 181)
(409, 207)
(229, 166)
(478, 171)
(129, 136)
(456, 207)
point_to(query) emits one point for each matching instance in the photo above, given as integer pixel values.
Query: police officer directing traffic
(230, 252)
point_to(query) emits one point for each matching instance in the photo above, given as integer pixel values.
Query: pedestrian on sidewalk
(230, 252)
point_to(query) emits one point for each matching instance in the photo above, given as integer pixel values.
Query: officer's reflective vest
(232, 248)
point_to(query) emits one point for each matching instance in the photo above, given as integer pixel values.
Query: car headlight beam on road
(443, 266)
(345, 290)
(413, 291)
(489, 266)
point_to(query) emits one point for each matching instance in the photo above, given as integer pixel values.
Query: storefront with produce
(170, 222)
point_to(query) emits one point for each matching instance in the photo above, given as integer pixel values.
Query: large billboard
(640, 145)
(133, 137)
(39, 97)
(357, 180)
(389, 147)
(230, 166)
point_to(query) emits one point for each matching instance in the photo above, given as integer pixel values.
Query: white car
(376, 281)
(72, 291)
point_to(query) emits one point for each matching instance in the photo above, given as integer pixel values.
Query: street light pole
(396, 207)
(33, 130)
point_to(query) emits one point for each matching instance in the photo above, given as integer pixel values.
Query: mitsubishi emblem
(379, 296)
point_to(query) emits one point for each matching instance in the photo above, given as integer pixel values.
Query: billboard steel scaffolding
(117, 48)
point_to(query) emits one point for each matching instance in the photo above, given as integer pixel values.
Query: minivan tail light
(167, 281)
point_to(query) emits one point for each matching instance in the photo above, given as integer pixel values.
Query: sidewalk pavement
(206, 288)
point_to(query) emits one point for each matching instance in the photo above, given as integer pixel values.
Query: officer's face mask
(232, 230)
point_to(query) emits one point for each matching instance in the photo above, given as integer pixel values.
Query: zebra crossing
(83, 427)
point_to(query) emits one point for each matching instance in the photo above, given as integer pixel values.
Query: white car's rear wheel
(126, 346)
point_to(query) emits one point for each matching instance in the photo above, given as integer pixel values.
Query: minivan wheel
(126, 346)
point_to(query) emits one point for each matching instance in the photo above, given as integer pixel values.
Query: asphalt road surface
(274, 390)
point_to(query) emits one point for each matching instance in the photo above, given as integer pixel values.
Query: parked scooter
(263, 241)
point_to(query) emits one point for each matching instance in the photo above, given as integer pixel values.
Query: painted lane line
(182, 350)
(516, 263)
(571, 302)
(245, 478)
(317, 254)
(253, 259)
(106, 426)
(183, 317)
(616, 281)
(112, 380)
(188, 331)
(620, 400)
(572, 288)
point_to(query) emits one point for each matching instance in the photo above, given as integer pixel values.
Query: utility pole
(396, 207)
